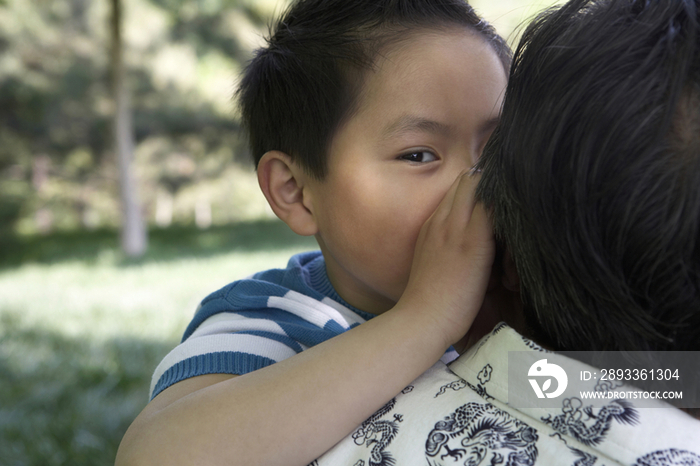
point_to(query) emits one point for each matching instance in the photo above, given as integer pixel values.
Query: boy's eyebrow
(410, 123)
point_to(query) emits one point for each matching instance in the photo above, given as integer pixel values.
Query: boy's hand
(221, 420)
(452, 261)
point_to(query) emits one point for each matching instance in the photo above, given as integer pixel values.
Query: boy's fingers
(445, 207)
(466, 191)
(463, 200)
(480, 224)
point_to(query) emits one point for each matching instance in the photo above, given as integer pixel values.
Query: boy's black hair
(300, 88)
(594, 175)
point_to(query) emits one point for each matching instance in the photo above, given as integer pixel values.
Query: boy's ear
(283, 183)
(511, 279)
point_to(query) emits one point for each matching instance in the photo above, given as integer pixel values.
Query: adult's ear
(283, 183)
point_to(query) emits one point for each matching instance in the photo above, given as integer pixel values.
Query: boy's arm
(293, 411)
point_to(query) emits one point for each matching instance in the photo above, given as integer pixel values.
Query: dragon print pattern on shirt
(582, 458)
(593, 429)
(670, 457)
(456, 386)
(480, 432)
(483, 376)
(379, 433)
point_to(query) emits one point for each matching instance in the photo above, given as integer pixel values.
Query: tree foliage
(57, 162)
(57, 167)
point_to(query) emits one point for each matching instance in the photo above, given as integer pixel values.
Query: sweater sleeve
(251, 324)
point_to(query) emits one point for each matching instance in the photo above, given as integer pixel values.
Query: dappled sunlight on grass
(81, 332)
(153, 299)
(177, 242)
(68, 401)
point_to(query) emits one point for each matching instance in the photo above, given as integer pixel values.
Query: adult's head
(594, 175)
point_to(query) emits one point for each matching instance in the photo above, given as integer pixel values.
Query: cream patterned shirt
(460, 415)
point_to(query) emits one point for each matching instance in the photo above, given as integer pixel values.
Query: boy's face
(424, 117)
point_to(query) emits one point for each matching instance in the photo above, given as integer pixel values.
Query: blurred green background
(82, 325)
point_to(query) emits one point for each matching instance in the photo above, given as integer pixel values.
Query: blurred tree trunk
(134, 238)
(43, 217)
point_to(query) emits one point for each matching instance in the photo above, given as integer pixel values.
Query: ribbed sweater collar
(319, 281)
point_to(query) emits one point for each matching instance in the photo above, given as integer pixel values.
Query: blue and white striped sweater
(253, 323)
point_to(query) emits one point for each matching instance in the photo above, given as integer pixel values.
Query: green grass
(82, 328)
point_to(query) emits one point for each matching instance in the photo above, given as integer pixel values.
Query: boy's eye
(419, 157)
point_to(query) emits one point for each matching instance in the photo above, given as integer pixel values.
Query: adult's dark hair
(593, 175)
(300, 88)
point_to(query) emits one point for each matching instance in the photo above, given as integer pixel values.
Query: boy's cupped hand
(452, 261)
